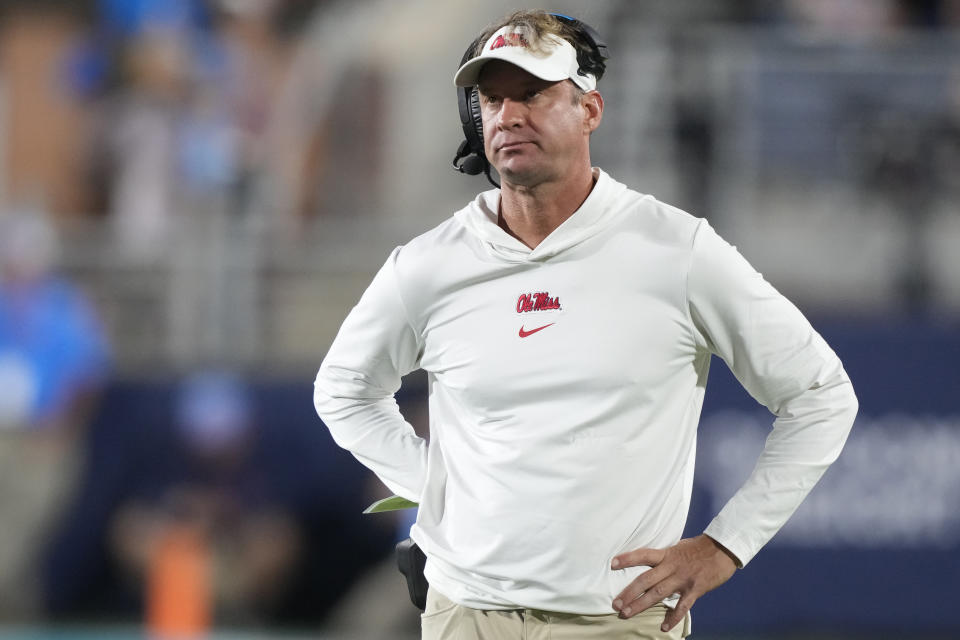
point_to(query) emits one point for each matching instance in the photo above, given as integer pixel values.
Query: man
(566, 324)
(55, 364)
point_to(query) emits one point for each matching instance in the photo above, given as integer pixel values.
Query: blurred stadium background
(194, 192)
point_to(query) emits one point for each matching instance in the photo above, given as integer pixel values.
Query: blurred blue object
(86, 68)
(128, 18)
(51, 346)
(213, 410)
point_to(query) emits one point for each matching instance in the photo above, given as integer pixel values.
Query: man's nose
(511, 113)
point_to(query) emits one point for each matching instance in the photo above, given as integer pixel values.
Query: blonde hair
(536, 26)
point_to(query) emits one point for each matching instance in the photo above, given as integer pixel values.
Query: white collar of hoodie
(480, 218)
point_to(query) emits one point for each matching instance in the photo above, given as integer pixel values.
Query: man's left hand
(690, 568)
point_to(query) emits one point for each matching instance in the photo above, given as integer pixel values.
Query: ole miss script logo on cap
(509, 40)
(540, 301)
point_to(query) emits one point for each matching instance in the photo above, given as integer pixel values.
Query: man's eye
(531, 94)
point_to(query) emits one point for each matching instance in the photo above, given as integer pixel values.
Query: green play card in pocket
(393, 503)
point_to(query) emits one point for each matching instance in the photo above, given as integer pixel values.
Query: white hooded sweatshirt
(566, 383)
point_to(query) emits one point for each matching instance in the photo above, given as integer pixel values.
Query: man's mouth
(512, 145)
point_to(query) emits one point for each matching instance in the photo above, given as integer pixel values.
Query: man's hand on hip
(690, 568)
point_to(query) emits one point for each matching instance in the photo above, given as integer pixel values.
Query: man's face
(534, 130)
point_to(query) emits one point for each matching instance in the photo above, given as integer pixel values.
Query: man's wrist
(726, 552)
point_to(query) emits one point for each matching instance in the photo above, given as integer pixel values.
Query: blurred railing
(253, 302)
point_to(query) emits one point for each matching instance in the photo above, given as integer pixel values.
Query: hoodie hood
(602, 205)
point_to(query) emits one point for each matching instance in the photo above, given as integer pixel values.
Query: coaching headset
(470, 158)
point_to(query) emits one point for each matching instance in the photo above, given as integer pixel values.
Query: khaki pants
(37, 474)
(446, 620)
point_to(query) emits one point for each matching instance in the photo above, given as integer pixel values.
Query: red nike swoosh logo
(524, 334)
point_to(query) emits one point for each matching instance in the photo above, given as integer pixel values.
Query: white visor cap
(557, 61)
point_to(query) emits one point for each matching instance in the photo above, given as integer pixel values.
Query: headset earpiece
(475, 116)
(470, 158)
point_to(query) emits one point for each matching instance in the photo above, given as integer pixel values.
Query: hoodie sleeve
(786, 366)
(354, 389)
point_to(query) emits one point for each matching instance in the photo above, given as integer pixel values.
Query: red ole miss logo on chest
(537, 302)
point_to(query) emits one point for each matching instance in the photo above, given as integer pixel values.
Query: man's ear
(592, 103)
